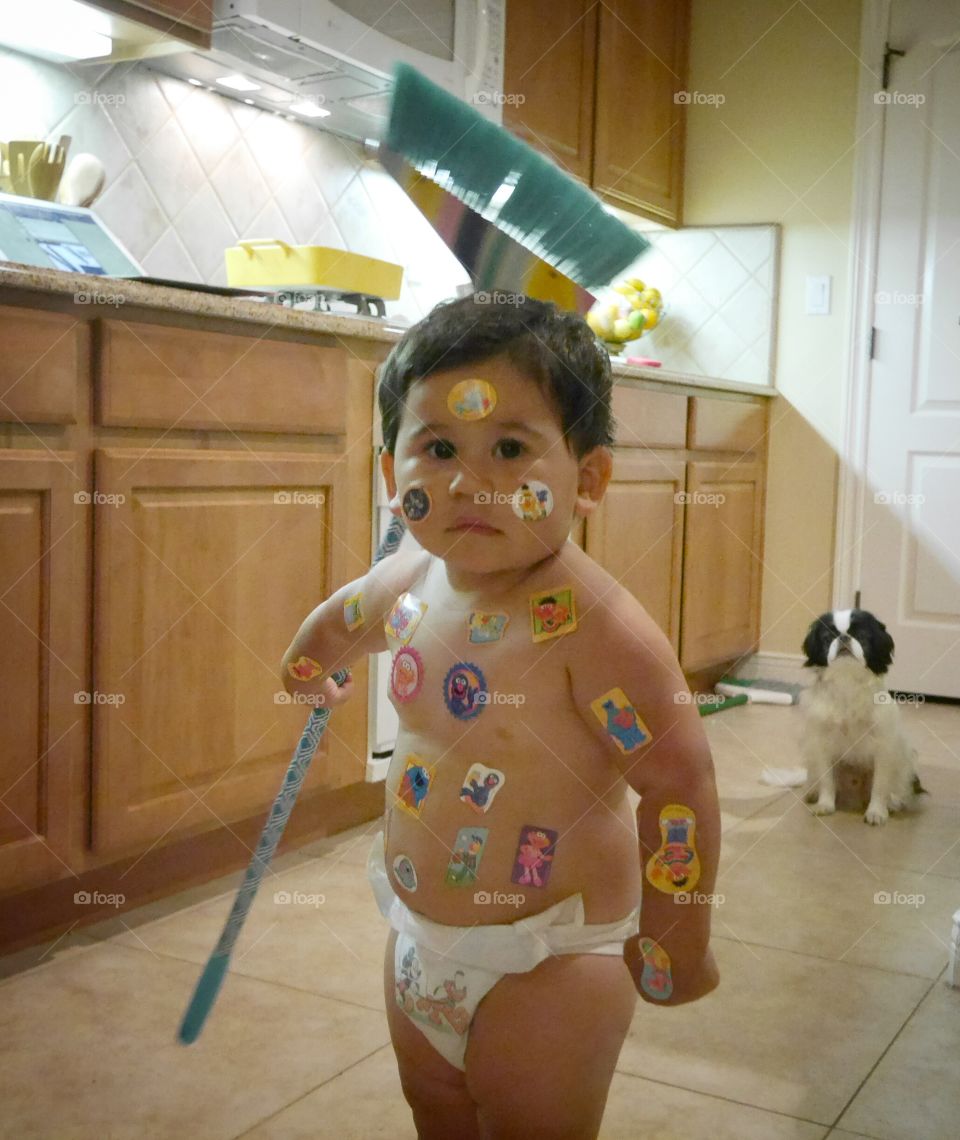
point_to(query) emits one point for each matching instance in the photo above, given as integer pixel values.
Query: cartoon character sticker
(353, 612)
(405, 872)
(414, 785)
(304, 668)
(656, 979)
(465, 857)
(483, 628)
(404, 618)
(553, 613)
(675, 866)
(480, 785)
(533, 502)
(472, 399)
(534, 858)
(464, 690)
(619, 718)
(416, 504)
(406, 675)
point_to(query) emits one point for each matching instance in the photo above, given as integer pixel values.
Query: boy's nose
(466, 481)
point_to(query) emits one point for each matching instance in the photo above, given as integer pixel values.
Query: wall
(190, 171)
(781, 148)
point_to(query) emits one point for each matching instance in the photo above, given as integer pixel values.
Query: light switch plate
(818, 296)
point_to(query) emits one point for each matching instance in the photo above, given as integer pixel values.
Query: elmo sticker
(406, 676)
(553, 613)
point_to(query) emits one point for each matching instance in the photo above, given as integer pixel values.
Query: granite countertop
(116, 292)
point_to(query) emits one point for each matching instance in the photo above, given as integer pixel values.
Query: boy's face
(488, 488)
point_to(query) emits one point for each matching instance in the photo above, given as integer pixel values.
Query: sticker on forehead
(416, 504)
(552, 613)
(483, 628)
(304, 668)
(675, 866)
(472, 399)
(619, 718)
(404, 618)
(480, 785)
(533, 502)
(353, 611)
(534, 858)
(465, 856)
(414, 784)
(406, 675)
(657, 978)
(405, 871)
(464, 690)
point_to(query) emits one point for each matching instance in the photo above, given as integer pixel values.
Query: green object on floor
(722, 703)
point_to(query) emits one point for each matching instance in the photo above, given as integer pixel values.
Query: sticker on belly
(553, 613)
(472, 399)
(534, 858)
(619, 718)
(353, 612)
(405, 872)
(464, 690)
(406, 675)
(404, 618)
(480, 785)
(533, 502)
(466, 855)
(482, 628)
(675, 866)
(656, 980)
(414, 785)
(304, 668)
(416, 504)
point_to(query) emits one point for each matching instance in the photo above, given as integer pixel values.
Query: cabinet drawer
(39, 365)
(725, 425)
(161, 377)
(649, 419)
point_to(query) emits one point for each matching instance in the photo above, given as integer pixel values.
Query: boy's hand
(687, 985)
(334, 694)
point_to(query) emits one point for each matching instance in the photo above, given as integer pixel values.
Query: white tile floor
(833, 1017)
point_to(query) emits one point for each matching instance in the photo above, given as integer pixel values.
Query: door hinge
(888, 53)
(856, 600)
(873, 343)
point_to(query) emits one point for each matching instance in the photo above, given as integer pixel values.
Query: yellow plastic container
(271, 262)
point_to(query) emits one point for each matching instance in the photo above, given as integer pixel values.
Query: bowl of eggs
(625, 312)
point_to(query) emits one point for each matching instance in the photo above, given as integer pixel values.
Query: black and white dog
(851, 721)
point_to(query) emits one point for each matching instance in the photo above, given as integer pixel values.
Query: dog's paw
(821, 808)
(875, 815)
(896, 803)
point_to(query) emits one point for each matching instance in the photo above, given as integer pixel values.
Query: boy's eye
(440, 449)
(510, 448)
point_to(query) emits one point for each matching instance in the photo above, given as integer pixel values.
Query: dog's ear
(813, 644)
(882, 656)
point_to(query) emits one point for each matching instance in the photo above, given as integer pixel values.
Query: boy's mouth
(474, 525)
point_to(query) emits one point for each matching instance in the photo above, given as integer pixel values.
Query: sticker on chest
(403, 619)
(619, 718)
(675, 866)
(406, 675)
(414, 784)
(483, 628)
(480, 786)
(553, 613)
(465, 857)
(464, 690)
(534, 858)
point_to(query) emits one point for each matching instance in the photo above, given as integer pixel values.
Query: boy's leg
(543, 1047)
(435, 1090)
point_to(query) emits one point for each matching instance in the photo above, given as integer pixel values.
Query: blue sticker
(464, 690)
(416, 504)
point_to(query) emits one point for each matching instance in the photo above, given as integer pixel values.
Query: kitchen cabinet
(595, 86)
(143, 28)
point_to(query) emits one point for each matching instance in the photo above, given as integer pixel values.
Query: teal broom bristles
(523, 194)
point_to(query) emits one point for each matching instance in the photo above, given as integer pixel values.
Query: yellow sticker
(403, 619)
(414, 784)
(472, 399)
(353, 611)
(675, 866)
(304, 668)
(552, 613)
(618, 716)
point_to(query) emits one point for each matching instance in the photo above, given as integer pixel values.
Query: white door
(910, 575)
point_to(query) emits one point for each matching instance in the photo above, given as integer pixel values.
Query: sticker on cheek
(405, 872)
(483, 628)
(406, 676)
(353, 612)
(619, 718)
(472, 399)
(404, 618)
(675, 866)
(464, 690)
(304, 668)
(414, 785)
(533, 502)
(480, 785)
(534, 858)
(416, 504)
(656, 980)
(553, 613)
(465, 857)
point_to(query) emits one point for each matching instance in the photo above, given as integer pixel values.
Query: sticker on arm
(304, 668)
(353, 612)
(675, 866)
(656, 980)
(616, 713)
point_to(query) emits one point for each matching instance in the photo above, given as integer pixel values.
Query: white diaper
(442, 973)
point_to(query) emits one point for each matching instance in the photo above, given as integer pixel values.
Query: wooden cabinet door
(550, 62)
(205, 565)
(640, 129)
(636, 534)
(195, 13)
(43, 672)
(721, 566)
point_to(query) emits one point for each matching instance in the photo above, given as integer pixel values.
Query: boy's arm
(672, 766)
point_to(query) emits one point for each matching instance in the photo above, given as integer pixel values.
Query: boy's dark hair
(558, 350)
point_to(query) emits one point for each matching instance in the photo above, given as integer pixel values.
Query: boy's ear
(386, 467)
(593, 475)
